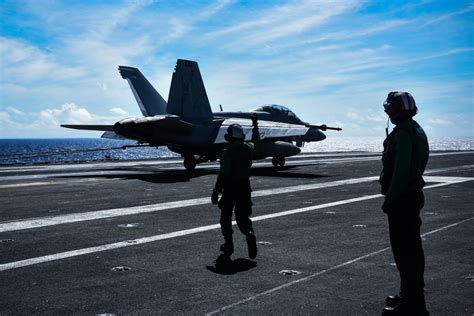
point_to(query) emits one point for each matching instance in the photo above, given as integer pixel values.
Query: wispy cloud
(15, 111)
(439, 121)
(22, 61)
(281, 22)
(330, 61)
(447, 16)
(119, 111)
(214, 8)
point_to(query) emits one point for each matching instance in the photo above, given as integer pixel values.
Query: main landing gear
(189, 163)
(278, 161)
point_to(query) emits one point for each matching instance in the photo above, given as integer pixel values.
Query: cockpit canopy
(278, 110)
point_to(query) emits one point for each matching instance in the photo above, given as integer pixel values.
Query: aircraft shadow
(281, 172)
(226, 266)
(167, 176)
(180, 175)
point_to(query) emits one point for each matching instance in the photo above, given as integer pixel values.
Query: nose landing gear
(278, 161)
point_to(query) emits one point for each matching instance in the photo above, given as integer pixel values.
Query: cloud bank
(331, 62)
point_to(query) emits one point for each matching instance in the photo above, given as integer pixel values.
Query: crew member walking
(234, 183)
(404, 160)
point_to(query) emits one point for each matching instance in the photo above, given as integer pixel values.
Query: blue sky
(329, 61)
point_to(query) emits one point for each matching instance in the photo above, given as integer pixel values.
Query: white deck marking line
(312, 276)
(457, 168)
(86, 216)
(180, 161)
(160, 162)
(144, 240)
(21, 185)
(99, 172)
(95, 215)
(295, 160)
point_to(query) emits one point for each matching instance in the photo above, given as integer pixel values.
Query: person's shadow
(225, 265)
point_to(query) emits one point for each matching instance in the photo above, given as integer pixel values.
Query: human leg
(243, 210)
(404, 226)
(226, 206)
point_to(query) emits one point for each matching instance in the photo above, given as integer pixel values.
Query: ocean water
(375, 144)
(28, 151)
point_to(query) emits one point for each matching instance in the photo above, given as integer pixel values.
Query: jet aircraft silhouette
(187, 125)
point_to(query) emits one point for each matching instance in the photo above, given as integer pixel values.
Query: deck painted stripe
(116, 212)
(144, 240)
(295, 160)
(98, 172)
(87, 216)
(22, 185)
(180, 161)
(312, 276)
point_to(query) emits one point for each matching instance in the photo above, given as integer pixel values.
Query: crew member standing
(234, 183)
(404, 160)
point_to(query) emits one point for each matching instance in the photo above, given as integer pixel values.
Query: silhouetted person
(234, 183)
(404, 160)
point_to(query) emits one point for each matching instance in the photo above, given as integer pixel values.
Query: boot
(392, 300)
(252, 245)
(406, 308)
(227, 248)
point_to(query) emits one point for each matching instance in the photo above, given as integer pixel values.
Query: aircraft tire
(275, 162)
(189, 163)
(281, 161)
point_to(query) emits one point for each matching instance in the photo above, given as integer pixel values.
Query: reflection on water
(374, 144)
(19, 151)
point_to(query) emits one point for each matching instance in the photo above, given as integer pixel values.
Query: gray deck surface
(59, 242)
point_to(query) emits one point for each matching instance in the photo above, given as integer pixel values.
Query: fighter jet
(187, 125)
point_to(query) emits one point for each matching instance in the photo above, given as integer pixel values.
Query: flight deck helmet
(235, 132)
(400, 103)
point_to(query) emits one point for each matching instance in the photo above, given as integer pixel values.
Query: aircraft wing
(105, 128)
(113, 135)
(267, 129)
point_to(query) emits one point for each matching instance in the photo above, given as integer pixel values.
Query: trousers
(404, 225)
(236, 200)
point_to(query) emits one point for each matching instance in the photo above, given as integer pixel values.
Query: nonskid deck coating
(170, 276)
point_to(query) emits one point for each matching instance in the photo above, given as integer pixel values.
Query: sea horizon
(63, 150)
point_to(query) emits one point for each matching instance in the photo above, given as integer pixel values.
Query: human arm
(401, 170)
(219, 186)
(255, 131)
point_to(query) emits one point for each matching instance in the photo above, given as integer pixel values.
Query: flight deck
(142, 238)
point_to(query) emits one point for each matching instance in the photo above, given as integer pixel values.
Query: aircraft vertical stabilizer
(188, 98)
(149, 100)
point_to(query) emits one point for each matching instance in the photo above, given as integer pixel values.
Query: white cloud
(439, 121)
(23, 62)
(214, 8)
(281, 22)
(119, 111)
(68, 113)
(448, 16)
(47, 122)
(4, 117)
(324, 59)
(353, 116)
(178, 28)
(377, 117)
(15, 111)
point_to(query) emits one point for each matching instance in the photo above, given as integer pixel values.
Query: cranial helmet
(400, 103)
(235, 132)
